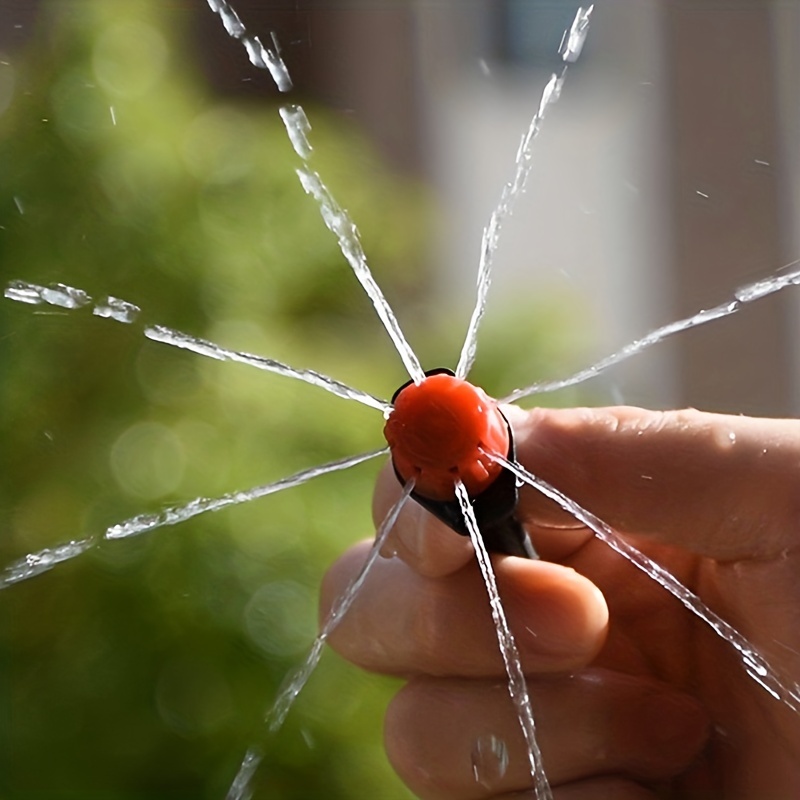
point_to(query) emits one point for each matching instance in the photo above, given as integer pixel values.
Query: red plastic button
(435, 431)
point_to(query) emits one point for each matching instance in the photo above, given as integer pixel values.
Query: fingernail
(411, 528)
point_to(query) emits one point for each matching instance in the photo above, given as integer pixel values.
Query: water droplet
(308, 738)
(23, 292)
(230, 19)
(574, 39)
(297, 128)
(119, 310)
(59, 294)
(389, 552)
(489, 760)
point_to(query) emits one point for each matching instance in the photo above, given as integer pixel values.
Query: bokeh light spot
(280, 618)
(148, 460)
(129, 58)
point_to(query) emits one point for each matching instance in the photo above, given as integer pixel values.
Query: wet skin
(633, 696)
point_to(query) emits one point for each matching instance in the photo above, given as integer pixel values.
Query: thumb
(722, 486)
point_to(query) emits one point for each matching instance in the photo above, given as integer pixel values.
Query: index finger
(721, 486)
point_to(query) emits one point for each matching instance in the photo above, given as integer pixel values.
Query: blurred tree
(142, 670)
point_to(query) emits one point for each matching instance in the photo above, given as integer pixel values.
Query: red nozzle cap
(435, 431)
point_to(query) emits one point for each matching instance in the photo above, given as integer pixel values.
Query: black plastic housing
(494, 508)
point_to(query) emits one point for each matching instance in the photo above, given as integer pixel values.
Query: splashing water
(294, 684)
(36, 563)
(336, 218)
(57, 294)
(122, 311)
(287, 696)
(756, 666)
(160, 333)
(574, 37)
(342, 226)
(339, 223)
(489, 760)
(260, 56)
(174, 515)
(297, 129)
(116, 309)
(70, 298)
(24, 292)
(517, 687)
(240, 788)
(741, 297)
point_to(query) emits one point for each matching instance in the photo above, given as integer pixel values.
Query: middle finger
(405, 623)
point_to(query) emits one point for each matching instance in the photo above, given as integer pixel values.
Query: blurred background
(142, 157)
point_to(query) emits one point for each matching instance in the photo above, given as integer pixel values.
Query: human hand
(630, 691)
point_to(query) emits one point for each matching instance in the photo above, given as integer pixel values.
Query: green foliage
(142, 669)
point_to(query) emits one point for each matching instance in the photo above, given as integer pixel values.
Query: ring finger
(456, 738)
